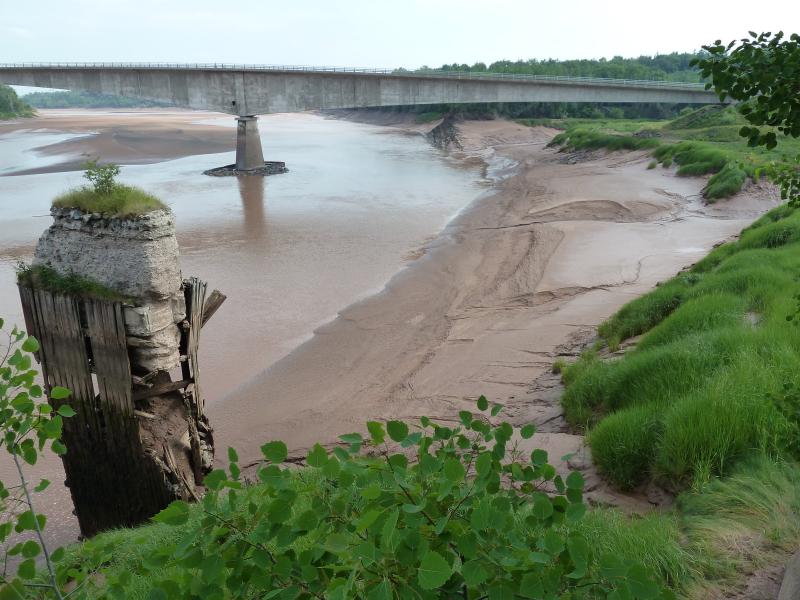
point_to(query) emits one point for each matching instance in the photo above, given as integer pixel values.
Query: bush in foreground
(466, 517)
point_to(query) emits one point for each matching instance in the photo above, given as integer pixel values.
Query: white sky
(376, 33)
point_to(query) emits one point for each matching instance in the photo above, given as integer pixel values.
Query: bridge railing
(367, 71)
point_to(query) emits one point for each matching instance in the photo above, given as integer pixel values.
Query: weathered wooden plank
(195, 292)
(161, 389)
(106, 330)
(211, 305)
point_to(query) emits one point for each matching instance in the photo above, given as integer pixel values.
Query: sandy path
(129, 137)
(508, 286)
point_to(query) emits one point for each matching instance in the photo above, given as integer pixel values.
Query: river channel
(290, 251)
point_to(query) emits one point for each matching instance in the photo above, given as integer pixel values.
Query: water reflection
(251, 191)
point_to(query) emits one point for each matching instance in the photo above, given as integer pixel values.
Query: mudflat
(518, 279)
(141, 136)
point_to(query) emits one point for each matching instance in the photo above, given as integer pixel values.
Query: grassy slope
(701, 142)
(704, 387)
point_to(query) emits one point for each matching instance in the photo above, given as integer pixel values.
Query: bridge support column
(249, 155)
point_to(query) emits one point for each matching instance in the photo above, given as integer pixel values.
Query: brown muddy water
(290, 250)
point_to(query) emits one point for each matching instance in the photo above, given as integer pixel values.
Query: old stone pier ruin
(123, 336)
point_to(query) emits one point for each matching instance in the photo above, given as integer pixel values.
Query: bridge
(250, 90)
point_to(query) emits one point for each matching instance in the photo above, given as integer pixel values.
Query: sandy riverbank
(141, 136)
(521, 276)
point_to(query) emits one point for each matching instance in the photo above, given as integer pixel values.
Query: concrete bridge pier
(249, 155)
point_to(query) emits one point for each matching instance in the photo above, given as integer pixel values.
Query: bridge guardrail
(367, 71)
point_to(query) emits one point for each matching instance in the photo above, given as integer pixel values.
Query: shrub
(464, 519)
(101, 176)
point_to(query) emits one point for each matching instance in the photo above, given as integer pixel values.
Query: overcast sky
(374, 33)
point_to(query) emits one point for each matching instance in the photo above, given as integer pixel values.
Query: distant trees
(11, 106)
(675, 67)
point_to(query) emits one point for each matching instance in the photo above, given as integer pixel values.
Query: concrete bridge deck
(262, 89)
(248, 90)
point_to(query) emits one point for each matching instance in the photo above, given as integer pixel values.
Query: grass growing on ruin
(124, 201)
(45, 278)
(712, 380)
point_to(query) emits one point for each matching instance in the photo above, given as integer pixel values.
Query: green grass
(704, 386)
(429, 117)
(46, 278)
(707, 116)
(702, 142)
(125, 201)
(585, 139)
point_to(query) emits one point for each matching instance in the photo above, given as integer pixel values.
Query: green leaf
(66, 411)
(382, 591)
(642, 586)
(483, 403)
(275, 452)
(539, 457)
(542, 507)
(177, 513)
(31, 344)
(317, 457)
(474, 573)
(233, 456)
(351, 438)
(531, 586)
(26, 522)
(215, 480)
(575, 512)
(501, 591)
(376, 432)
(367, 519)
(527, 431)
(454, 471)
(337, 542)
(27, 569)
(483, 464)
(579, 553)
(371, 492)
(31, 549)
(398, 430)
(434, 571)
(496, 408)
(42, 486)
(575, 481)
(389, 533)
(59, 393)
